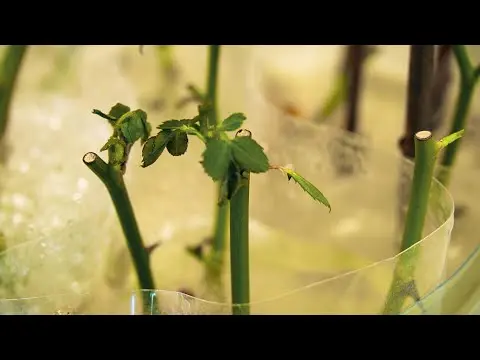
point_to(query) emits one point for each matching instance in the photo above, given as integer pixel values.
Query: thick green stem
(166, 60)
(220, 229)
(214, 55)
(220, 225)
(468, 80)
(9, 71)
(113, 180)
(239, 256)
(425, 153)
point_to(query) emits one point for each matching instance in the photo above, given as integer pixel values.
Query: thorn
(149, 249)
(196, 251)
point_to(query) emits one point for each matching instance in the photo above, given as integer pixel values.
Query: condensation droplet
(76, 287)
(56, 222)
(17, 218)
(82, 184)
(55, 123)
(24, 167)
(166, 232)
(19, 200)
(244, 133)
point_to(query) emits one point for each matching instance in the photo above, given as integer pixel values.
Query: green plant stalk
(220, 226)
(113, 181)
(468, 79)
(239, 253)
(10, 69)
(425, 153)
(213, 61)
(166, 58)
(339, 93)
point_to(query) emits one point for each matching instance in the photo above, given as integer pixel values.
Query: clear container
(303, 259)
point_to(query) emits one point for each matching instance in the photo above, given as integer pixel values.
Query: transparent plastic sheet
(54, 213)
(60, 261)
(464, 185)
(458, 295)
(380, 96)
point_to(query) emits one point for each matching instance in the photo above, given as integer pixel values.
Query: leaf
(175, 124)
(216, 159)
(306, 186)
(112, 141)
(118, 110)
(178, 143)
(233, 122)
(447, 140)
(116, 154)
(147, 128)
(132, 125)
(154, 146)
(249, 155)
(234, 181)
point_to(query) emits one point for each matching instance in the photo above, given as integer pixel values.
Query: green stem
(214, 55)
(113, 181)
(239, 256)
(425, 153)
(468, 80)
(220, 229)
(9, 71)
(166, 58)
(211, 98)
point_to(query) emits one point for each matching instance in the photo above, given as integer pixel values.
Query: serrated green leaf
(154, 146)
(131, 125)
(307, 186)
(178, 143)
(234, 181)
(110, 143)
(174, 124)
(233, 122)
(249, 155)
(216, 159)
(147, 130)
(118, 110)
